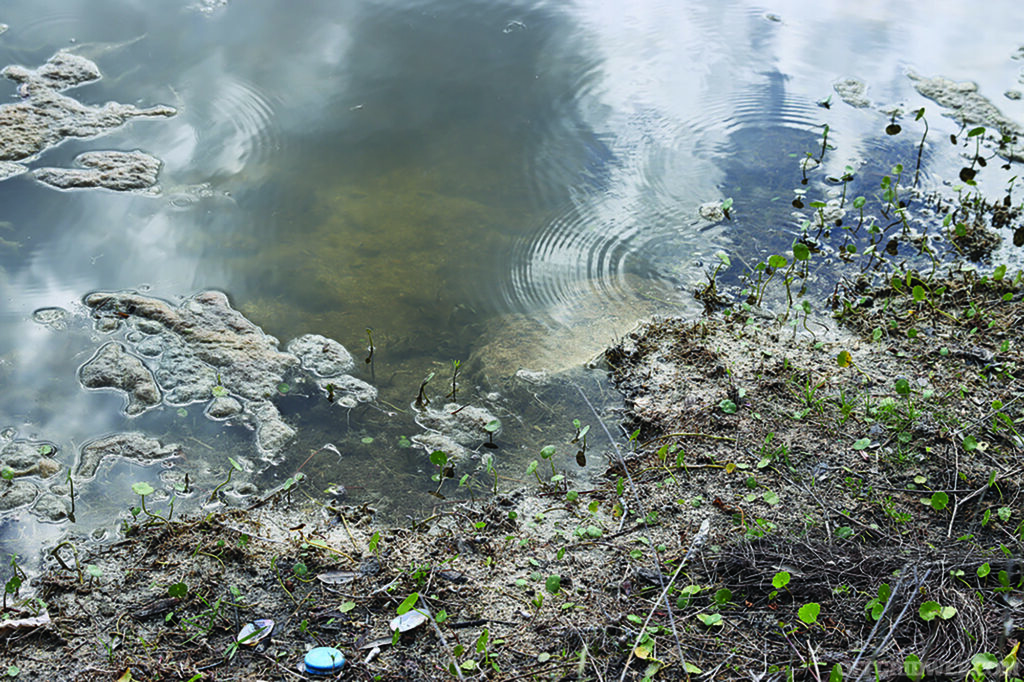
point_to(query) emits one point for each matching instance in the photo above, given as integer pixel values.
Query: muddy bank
(860, 495)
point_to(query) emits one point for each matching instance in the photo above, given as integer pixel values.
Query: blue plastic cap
(324, 660)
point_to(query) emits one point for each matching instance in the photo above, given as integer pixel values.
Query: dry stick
(444, 642)
(643, 516)
(871, 635)
(681, 434)
(892, 628)
(695, 545)
(956, 506)
(814, 661)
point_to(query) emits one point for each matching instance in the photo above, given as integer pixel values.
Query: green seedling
(844, 359)
(94, 571)
(893, 128)
(876, 605)
(531, 468)
(727, 208)
(709, 295)
(235, 466)
(548, 453)
(845, 178)
(968, 173)
(71, 493)
(143, 489)
(491, 428)
(938, 500)
(919, 116)
(553, 583)
(369, 356)
(824, 143)
(858, 203)
(455, 374)
(421, 398)
(13, 584)
(930, 610)
(581, 438)
(808, 613)
(374, 543)
(55, 553)
(369, 346)
(913, 668)
(439, 458)
(781, 580)
(710, 619)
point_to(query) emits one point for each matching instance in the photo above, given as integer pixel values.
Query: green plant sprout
(235, 466)
(369, 345)
(581, 438)
(709, 295)
(919, 116)
(968, 173)
(844, 359)
(55, 553)
(421, 397)
(369, 356)
(548, 453)
(13, 584)
(845, 178)
(893, 128)
(808, 613)
(142, 489)
(71, 494)
(781, 580)
(824, 143)
(491, 428)
(439, 458)
(455, 374)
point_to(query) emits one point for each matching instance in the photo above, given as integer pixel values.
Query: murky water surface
(510, 182)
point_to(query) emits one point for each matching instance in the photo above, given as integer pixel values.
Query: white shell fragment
(337, 577)
(253, 632)
(410, 619)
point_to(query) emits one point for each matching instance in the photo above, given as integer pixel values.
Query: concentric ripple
(566, 259)
(634, 192)
(237, 130)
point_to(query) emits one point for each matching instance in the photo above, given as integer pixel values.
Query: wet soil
(874, 471)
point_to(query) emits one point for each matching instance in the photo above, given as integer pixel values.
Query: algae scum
(255, 243)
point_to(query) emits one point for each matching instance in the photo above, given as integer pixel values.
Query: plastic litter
(324, 660)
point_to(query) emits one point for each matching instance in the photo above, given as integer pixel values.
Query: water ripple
(635, 181)
(237, 131)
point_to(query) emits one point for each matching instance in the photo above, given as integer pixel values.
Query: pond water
(512, 182)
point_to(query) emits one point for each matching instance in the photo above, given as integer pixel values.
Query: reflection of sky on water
(587, 133)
